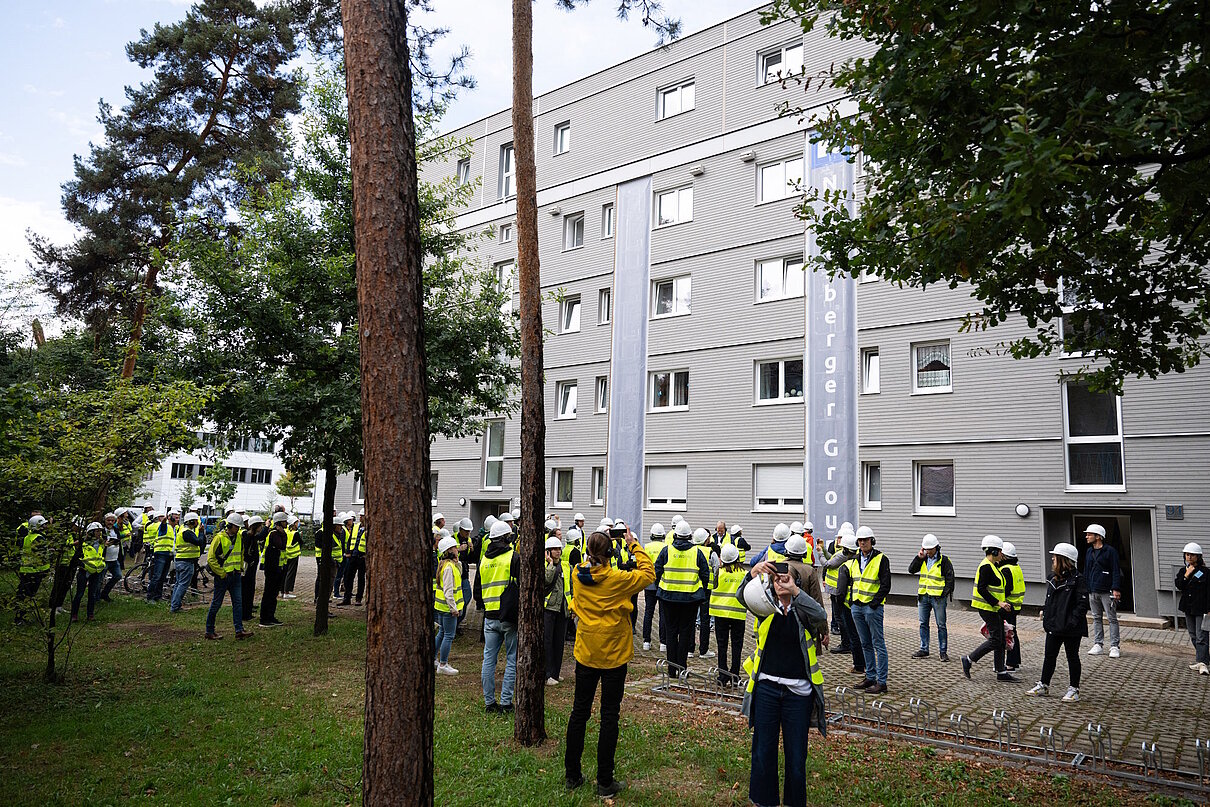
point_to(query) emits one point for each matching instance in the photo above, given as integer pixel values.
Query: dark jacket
(947, 571)
(1101, 569)
(985, 578)
(703, 571)
(1195, 591)
(1066, 605)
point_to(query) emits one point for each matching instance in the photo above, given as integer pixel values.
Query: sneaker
(572, 782)
(646, 645)
(663, 647)
(966, 667)
(1007, 678)
(1196, 666)
(943, 657)
(1072, 696)
(1096, 650)
(552, 682)
(277, 622)
(707, 654)
(1039, 689)
(1114, 652)
(267, 624)
(690, 654)
(921, 654)
(446, 669)
(610, 790)
(1203, 669)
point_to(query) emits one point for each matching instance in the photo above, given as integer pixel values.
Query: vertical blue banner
(831, 475)
(628, 356)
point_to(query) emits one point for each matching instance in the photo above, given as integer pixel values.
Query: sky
(62, 56)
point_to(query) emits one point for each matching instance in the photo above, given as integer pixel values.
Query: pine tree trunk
(530, 725)
(398, 751)
(140, 313)
(324, 572)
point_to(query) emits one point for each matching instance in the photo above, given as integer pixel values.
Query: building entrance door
(480, 510)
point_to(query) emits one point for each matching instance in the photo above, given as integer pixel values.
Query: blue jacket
(1101, 569)
(776, 546)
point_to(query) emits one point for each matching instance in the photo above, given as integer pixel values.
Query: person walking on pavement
(988, 598)
(1014, 592)
(870, 577)
(188, 552)
(498, 575)
(271, 560)
(1193, 582)
(554, 612)
(934, 588)
(448, 602)
(1103, 574)
(1064, 620)
(226, 561)
(650, 600)
(682, 576)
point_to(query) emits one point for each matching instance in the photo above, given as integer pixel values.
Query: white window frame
(554, 486)
(186, 470)
(489, 458)
(570, 312)
(562, 137)
(938, 390)
(260, 476)
(1092, 439)
(779, 503)
(502, 276)
(867, 471)
(359, 491)
(679, 283)
(673, 377)
(790, 168)
(573, 224)
(463, 176)
(1069, 304)
(787, 263)
(506, 233)
(871, 371)
(932, 510)
(604, 306)
(601, 395)
(674, 502)
(678, 92)
(682, 195)
(567, 395)
(608, 216)
(782, 397)
(762, 63)
(598, 485)
(434, 477)
(508, 172)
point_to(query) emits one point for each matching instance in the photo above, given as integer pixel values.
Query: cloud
(30, 89)
(12, 160)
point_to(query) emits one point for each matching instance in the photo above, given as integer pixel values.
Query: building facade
(955, 438)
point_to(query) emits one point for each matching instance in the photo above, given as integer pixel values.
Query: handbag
(510, 600)
(1010, 635)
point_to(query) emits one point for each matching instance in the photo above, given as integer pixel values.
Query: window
(604, 306)
(1079, 322)
(493, 455)
(672, 297)
(201, 470)
(931, 368)
(562, 487)
(359, 493)
(776, 64)
(934, 488)
(464, 171)
(870, 375)
(602, 394)
(674, 206)
(871, 483)
(506, 233)
(779, 278)
(778, 487)
(675, 100)
(573, 231)
(239, 474)
(670, 390)
(505, 272)
(182, 470)
(569, 314)
(565, 394)
(779, 381)
(261, 445)
(260, 476)
(666, 487)
(598, 486)
(507, 172)
(1092, 432)
(607, 213)
(433, 488)
(563, 138)
(779, 180)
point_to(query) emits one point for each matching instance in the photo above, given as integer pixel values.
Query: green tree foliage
(215, 486)
(293, 486)
(1056, 156)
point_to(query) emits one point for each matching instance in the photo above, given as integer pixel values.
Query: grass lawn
(153, 714)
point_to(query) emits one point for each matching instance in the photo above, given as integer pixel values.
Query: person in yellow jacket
(226, 561)
(604, 646)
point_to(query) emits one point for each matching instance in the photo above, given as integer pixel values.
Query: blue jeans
(496, 633)
(447, 626)
(159, 575)
(924, 604)
(868, 621)
(114, 569)
(233, 583)
(184, 576)
(776, 710)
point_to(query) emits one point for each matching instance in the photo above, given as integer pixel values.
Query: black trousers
(356, 568)
(995, 639)
(554, 635)
(703, 627)
(729, 632)
(248, 588)
(848, 635)
(678, 619)
(1070, 645)
(650, 606)
(838, 623)
(287, 585)
(613, 683)
(1012, 658)
(268, 598)
(634, 612)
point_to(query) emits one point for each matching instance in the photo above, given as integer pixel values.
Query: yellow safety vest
(932, 582)
(338, 552)
(226, 554)
(723, 602)
(565, 565)
(93, 557)
(705, 552)
(1016, 597)
(493, 579)
(439, 594)
(680, 571)
(184, 549)
(831, 577)
(357, 540)
(265, 545)
(865, 583)
(293, 547)
(997, 589)
(654, 547)
(773, 556)
(33, 555)
(752, 664)
(727, 539)
(165, 536)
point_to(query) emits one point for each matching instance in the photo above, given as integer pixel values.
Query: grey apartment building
(954, 438)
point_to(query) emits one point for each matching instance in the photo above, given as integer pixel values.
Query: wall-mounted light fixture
(697, 170)
(1023, 509)
(462, 502)
(556, 210)
(747, 156)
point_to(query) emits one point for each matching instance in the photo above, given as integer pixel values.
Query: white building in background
(254, 467)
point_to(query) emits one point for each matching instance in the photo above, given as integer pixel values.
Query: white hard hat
(1190, 549)
(677, 519)
(700, 536)
(736, 529)
(174, 511)
(796, 528)
(849, 541)
(255, 520)
(846, 527)
(466, 524)
(991, 542)
(489, 521)
(361, 512)
(438, 517)
(111, 515)
(619, 524)
(553, 543)
(606, 522)
(682, 529)
(293, 519)
(235, 520)
(657, 530)
(191, 516)
(500, 529)
(781, 532)
(578, 517)
(1066, 550)
(758, 598)
(929, 541)
(507, 518)
(349, 516)
(729, 553)
(550, 525)
(809, 527)
(280, 517)
(516, 512)
(36, 521)
(1009, 551)
(864, 532)
(96, 525)
(154, 514)
(1095, 529)
(796, 545)
(574, 535)
(443, 533)
(446, 544)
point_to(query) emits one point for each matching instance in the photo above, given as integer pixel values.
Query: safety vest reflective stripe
(33, 555)
(865, 582)
(231, 551)
(1016, 597)
(357, 540)
(94, 559)
(439, 601)
(184, 549)
(706, 554)
(293, 547)
(752, 664)
(723, 602)
(338, 552)
(932, 581)
(997, 588)
(680, 571)
(493, 579)
(165, 536)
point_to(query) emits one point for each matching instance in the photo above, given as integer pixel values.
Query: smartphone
(781, 568)
(614, 532)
